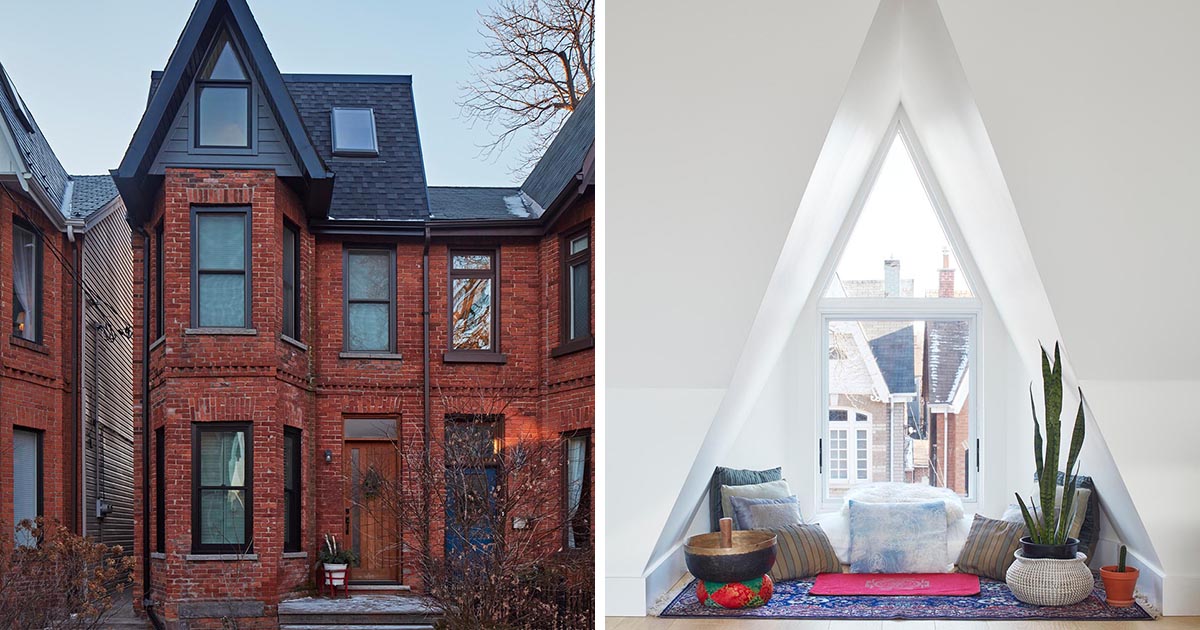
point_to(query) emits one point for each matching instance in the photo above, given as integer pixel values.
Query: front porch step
(395, 612)
(379, 589)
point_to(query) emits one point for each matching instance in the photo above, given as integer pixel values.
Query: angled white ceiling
(907, 58)
(702, 120)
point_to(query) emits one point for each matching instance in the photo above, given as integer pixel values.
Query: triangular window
(223, 63)
(900, 324)
(224, 100)
(898, 247)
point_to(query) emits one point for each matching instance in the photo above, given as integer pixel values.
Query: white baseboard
(1181, 595)
(625, 596)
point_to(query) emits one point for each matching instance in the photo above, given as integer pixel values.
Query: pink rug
(896, 584)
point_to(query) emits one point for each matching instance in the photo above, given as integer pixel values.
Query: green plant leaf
(1037, 436)
(1048, 481)
(1030, 523)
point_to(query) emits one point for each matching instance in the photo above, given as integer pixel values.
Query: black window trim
(244, 210)
(585, 493)
(291, 230)
(452, 354)
(567, 345)
(292, 519)
(246, 84)
(392, 324)
(38, 274)
(160, 490)
(197, 546)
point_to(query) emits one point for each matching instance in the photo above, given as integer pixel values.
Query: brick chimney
(945, 276)
(891, 278)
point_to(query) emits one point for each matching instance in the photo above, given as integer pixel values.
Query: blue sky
(83, 68)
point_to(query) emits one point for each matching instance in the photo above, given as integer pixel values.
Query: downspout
(147, 602)
(426, 491)
(95, 422)
(79, 473)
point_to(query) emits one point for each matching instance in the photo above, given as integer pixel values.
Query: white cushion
(767, 490)
(837, 529)
(897, 492)
(1080, 506)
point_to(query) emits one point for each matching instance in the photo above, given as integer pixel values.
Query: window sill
(474, 356)
(295, 555)
(573, 346)
(220, 331)
(221, 557)
(28, 345)
(303, 347)
(158, 555)
(382, 356)
(158, 342)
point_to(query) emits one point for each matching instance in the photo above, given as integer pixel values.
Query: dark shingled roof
(894, 354)
(946, 358)
(565, 156)
(48, 172)
(470, 202)
(89, 193)
(390, 186)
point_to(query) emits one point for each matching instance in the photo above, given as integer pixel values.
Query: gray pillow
(733, 477)
(764, 490)
(743, 507)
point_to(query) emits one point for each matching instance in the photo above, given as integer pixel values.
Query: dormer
(221, 103)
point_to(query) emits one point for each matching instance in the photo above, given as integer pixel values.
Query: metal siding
(273, 151)
(108, 274)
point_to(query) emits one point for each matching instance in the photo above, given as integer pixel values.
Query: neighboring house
(312, 308)
(66, 429)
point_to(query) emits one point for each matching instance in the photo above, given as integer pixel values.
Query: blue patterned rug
(994, 601)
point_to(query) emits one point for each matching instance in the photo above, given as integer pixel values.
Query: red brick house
(66, 434)
(304, 304)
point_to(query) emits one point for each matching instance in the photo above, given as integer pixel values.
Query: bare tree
(536, 67)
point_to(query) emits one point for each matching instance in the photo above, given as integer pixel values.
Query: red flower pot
(1118, 586)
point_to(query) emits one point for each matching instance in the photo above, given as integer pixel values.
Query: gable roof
(207, 18)
(89, 193)
(894, 353)
(568, 158)
(946, 358)
(49, 176)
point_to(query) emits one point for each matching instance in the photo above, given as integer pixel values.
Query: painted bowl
(751, 556)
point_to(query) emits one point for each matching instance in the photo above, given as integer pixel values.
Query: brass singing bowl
(752, 555)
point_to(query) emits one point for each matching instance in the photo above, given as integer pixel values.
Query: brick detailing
(271, 383)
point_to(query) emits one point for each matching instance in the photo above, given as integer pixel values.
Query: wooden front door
(371, 526)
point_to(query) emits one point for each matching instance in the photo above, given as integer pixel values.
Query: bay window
(221, 488)
(220, 267)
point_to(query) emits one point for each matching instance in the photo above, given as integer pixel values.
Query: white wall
(1080, 222)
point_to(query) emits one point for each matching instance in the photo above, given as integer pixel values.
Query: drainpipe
(425, 489)
(77, 388)
(147, 602)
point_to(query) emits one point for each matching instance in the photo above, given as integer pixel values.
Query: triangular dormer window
(900, 321)
(223, 99)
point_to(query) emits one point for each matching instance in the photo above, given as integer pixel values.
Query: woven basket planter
(1048, 582)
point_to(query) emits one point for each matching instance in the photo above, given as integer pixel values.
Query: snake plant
(1050, 527)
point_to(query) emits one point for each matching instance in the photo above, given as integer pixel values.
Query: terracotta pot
(1118, 586)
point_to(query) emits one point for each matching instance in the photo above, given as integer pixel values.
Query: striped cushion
(990, 546)
(803, 551)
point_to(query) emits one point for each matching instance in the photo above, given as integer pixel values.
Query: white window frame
(832, 309)
(853, 426)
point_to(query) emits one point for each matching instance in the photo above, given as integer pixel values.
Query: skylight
(898, 247)
(354, 132)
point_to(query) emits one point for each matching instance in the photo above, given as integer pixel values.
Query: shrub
(65, 581)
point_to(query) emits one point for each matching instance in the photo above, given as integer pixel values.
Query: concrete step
(374, 610)
(379, 589)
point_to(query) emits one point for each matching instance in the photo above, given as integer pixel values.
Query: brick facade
(37, 382)
(261, 378)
